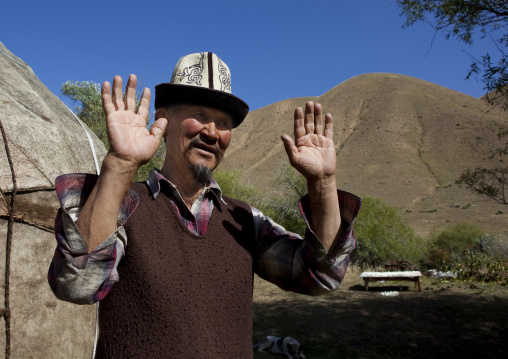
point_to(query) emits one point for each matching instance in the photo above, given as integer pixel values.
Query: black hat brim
(173, 94)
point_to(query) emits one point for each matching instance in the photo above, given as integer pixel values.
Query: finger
(130, 93)
(329, 126)
(318, 119)
(289, 146)
(299, 129)
(144, 103)
(158, 129)
(117, 93)
(309, 117)
(107, 103)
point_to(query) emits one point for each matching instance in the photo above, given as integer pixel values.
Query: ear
(161, 112)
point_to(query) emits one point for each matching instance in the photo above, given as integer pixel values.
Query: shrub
(383, 235)
(483, 268)
(466, 250)
(453, 243)
(283, 208)
(285, 213)
(232, 185)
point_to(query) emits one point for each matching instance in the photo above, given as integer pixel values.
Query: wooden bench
(412, 276)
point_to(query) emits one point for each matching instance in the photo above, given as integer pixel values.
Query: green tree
(464, 19)
(89, 110)
(383, 235)
(87, 95)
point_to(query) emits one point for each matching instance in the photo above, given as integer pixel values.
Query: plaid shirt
(282, 257)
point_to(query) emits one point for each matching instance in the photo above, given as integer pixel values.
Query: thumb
(289, 146)
(158, 129)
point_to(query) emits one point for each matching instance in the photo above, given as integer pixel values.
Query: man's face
(197, 136)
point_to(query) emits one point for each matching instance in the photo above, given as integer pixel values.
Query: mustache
(216, 149)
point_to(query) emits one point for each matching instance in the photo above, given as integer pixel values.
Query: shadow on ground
(357, 324)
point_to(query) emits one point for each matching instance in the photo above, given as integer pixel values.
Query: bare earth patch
(446, 319)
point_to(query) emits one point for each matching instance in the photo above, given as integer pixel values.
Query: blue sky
(276, 49)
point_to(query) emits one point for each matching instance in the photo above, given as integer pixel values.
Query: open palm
(129, 139)
(312, 152)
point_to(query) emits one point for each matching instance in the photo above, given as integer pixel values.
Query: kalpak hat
(202, 79)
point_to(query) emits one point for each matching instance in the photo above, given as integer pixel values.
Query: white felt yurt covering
(44, 140)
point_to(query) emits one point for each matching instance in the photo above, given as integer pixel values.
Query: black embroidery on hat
(225, 80)
(210, 71)
(193, 72)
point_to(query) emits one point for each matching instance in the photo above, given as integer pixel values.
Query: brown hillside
(496, 99)
(398, 138)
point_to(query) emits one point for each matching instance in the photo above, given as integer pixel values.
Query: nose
(210, 130)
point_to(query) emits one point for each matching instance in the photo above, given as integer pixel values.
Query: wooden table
(413, 276)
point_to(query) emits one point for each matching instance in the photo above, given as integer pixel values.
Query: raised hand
(130, 146)
(129, 139)
(312, 152)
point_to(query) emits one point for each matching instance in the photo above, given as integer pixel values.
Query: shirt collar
(156, 177)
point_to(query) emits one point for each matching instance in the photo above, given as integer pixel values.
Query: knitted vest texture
(180, 295)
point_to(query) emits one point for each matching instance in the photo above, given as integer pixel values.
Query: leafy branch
(463, 19)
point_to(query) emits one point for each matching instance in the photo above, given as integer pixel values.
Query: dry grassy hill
(398, 138)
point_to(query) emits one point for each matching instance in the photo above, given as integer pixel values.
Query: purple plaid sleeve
(304, 266)
(74, 274)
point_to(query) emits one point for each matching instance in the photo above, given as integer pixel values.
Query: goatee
(202, 173)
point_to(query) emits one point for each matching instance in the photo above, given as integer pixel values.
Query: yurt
(40, 139)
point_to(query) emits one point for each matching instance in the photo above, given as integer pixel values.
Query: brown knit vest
(180, 295)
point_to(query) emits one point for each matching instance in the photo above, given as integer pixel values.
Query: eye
(224, 124)
(200, 116)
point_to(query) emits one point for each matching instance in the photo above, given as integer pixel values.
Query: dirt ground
(447, 319)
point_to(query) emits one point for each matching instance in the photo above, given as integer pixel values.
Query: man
(182, 262)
